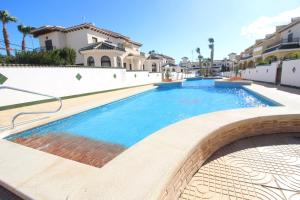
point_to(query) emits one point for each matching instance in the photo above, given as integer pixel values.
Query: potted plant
(168, 76)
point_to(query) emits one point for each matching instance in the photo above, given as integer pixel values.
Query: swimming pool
(128, 121)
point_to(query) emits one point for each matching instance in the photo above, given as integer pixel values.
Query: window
(105, 61)
(181, 70)
(119, 62)
(290, 37)
(124, 65)
(90, 61)
(154, 67)
(94, 39)
(173, 70)
(143, 67)
(48, 45)
(130, 67)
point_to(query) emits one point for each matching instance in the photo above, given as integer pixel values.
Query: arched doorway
(90, 61)
(154, 67)
(105, 61)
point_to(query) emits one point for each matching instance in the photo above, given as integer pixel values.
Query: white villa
(157, 62)
(100, 47)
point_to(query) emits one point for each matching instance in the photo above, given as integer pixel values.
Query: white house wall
(295, 30)
(58, 39)
(291, 73)
(77, 40)
(62, 81)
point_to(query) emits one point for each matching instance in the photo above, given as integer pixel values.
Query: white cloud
(266, 25)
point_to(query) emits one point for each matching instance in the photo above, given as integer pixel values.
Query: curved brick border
(223, 136)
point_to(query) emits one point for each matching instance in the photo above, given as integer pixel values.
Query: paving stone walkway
(256, 168)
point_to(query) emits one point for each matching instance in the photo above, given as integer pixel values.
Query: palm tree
(152, 52)
(6, 18)
(25, 30)
(200, 57)
(212, 49)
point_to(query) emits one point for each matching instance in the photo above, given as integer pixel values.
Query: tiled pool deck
(255, 168)
(158, 156)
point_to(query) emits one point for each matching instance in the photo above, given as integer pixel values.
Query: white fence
(179, 75)
(228, 74)
(291, 73)
(67, 81)
(264, 73)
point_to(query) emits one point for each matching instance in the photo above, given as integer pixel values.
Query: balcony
(246, 57)
(284, 44)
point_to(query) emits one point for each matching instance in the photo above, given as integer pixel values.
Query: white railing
(31, 113)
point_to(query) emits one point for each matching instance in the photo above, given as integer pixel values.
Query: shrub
(270, 59)
(262, 62)
(68, 55)
(294, 55)
(63, 56)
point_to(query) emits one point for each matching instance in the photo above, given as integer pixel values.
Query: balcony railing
(246, 57)
(283, 44)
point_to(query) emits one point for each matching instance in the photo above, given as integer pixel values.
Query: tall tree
(212, 50)
(6, 18)
(25, 30)
(200, 57)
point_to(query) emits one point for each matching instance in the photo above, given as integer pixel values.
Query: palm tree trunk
(6, 39)
(23, 43)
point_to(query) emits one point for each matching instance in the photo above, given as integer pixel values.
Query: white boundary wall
(264, 73)
(291, 73)
(228, 74)
(62, 81)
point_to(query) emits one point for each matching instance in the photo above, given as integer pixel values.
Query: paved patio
(261, 167)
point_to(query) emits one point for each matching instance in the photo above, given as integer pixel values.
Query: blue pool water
(128, 121)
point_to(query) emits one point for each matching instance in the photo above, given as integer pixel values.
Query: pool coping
(159, 156)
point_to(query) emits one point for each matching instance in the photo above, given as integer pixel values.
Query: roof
(169, 65)
(294, 22)
(153, 57)
(49, 28)
(102, 45)
(157, 56)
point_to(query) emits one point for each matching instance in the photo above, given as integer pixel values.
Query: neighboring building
(173, 68)
(246, 60)
(232, 57)
(275, 46)
(156, 61)
(288, 41)
(185, 62)
(94, 46)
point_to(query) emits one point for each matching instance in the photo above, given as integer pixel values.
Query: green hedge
(262, 62)
(65, 56)
(292, 56)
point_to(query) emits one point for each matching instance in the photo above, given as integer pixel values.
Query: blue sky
(172, 27)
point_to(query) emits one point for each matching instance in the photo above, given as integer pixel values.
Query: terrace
(283, 45)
